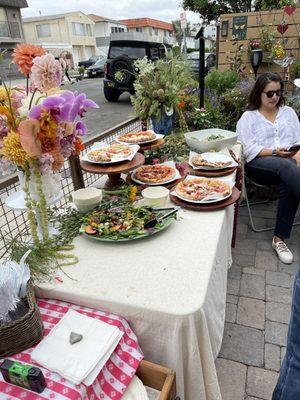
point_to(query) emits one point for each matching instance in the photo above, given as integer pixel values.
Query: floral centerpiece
(40, 128)
(159, 89)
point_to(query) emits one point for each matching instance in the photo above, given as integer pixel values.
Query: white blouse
(256, 132)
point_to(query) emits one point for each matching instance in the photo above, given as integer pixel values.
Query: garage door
(76, 54)
(88, 52)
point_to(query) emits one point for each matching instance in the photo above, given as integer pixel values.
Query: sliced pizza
(199, 161)
(114, 152)
(197, 189)
(158, 173)
(137, 137)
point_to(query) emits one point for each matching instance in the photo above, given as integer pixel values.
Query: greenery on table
(174, 149)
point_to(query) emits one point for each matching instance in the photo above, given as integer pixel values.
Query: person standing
(64, 66)
(267, 130)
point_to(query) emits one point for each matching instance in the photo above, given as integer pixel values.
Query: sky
(165, 10)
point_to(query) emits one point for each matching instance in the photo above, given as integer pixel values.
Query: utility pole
(183, 25)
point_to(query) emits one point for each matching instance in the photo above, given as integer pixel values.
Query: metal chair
(248, 205)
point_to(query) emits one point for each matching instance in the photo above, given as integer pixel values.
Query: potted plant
(157, 91)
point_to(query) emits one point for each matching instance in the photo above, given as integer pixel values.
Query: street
(109, 114)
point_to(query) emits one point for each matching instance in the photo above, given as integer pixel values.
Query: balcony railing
(10, 29)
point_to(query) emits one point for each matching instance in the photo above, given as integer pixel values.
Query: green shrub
(220, 81)
(295, 70)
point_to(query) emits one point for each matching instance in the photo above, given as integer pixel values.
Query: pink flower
(46, 73)
(155, 161)
(29, 130)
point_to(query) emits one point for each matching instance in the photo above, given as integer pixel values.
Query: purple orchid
(65, 107)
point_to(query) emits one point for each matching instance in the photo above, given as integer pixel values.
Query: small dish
(87, 199)
(155, 195)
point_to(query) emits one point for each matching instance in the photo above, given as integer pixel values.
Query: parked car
(96, 69)
(193, 60)
(89, 62)
(119, 69)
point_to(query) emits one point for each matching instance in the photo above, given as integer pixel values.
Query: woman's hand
(284, 153)
(297, 158)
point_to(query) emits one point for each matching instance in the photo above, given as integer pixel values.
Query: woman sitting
(267, 130)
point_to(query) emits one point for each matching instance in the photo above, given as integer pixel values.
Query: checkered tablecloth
(112, 381)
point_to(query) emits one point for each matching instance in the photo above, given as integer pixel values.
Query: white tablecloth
(171, 287)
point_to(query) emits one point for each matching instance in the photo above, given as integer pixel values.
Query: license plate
(110, 84)
(94, 72)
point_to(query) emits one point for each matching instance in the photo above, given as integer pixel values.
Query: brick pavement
(257, 311)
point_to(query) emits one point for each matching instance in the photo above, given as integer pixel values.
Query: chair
(249, 205)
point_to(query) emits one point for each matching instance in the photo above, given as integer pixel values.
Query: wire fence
(14, 223)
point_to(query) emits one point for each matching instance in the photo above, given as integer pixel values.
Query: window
(156, 31)
(165, 33)
(88, 29)
(78, 29)
(112, 29)
(131, 52)
(139, 29)
(150, 31)
(43, 30)
(154, 53)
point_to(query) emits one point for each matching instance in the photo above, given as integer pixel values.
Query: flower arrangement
(40, 127)
(278, 51)
(254, 44)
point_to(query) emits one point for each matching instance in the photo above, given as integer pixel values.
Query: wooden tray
(152, 145)
(167, 185)
(159, 378)
(208, 207)
(211, 173)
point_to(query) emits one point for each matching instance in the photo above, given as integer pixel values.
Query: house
(11, 33)
(104, 30)
(210, 35)
(151, 30)
(71, 32)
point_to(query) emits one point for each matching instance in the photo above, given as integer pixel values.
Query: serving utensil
(153, 222)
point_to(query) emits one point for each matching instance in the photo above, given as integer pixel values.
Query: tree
(178, 32)
(210, 10)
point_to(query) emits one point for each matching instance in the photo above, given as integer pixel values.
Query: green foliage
(294, 102)
(174, 149)
(220, 81)
(295, 70)
(178, 32)
(267, 37)
(210, 117)
(159, 85)
(272, 4)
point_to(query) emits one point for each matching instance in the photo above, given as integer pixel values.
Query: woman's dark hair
(259, 86)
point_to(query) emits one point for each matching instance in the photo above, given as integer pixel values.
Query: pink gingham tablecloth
(112, 381)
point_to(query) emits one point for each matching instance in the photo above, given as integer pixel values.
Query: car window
(99, 62)
(193, 56)
(131, 52)
(154, 53)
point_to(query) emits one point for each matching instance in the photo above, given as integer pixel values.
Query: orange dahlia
(24, 54)
(79, 146)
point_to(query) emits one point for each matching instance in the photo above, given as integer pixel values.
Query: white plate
(213, 157)
(157, 136)
(202, 201)
(168, 163)
(134, 148)
(16, 200)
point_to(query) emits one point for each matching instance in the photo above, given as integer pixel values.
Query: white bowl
(87, 199)
(155, 195)
(196, 140)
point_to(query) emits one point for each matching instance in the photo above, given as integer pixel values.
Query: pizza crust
(106, 154)
(137, 137)
(198, 161)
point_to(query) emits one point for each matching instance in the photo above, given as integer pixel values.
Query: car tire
(124, 64)
(111, 95)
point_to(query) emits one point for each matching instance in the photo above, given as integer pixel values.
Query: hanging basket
(24, 332)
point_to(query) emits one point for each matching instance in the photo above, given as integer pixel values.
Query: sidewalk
(257, 311)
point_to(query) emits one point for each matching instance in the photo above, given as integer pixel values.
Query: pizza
(197, 189)
(137, 137)
(114, 152)
(198, 161)
(155, 173)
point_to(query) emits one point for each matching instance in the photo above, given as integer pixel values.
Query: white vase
(50, 183)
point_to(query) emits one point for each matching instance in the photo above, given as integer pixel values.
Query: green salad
(211, 138)
(121, 222)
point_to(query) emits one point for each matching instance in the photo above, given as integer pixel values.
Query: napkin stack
(80, 362)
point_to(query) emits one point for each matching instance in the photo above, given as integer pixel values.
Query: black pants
(68, 76)
(284, 173)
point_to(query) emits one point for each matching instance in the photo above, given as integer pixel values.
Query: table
(171, 287)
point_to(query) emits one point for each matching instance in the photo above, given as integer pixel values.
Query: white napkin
(82, 361)
(136, 390)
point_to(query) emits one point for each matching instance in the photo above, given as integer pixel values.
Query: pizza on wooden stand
(196, 189)
(155, 173)
(137, 137)
(109, 153)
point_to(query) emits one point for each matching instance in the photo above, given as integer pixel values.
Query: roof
(154, 23)
(48, 17)
(14, 3)
(98, 18)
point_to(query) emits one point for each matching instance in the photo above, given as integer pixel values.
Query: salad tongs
(152, 222)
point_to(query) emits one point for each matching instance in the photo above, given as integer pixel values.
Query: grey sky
(166, 10)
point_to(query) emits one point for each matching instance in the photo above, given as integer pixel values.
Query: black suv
(119, 69)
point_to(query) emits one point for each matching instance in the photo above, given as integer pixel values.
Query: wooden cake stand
(151, 146)
(211, 173)
(113, 171)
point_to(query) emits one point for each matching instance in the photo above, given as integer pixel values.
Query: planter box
(159, 378)
(267, 57)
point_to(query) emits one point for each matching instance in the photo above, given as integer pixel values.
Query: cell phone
(296, 147)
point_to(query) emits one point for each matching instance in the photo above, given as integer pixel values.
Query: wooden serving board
(152, 145)
(211, 173)
(167, 185)
(208, 207)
